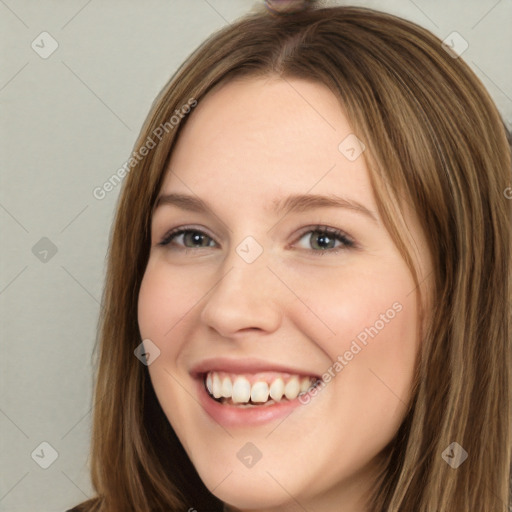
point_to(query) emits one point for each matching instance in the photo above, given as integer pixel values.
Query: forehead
(265, 137)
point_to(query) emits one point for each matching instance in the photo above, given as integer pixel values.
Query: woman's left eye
(324, 237)
(321, 238)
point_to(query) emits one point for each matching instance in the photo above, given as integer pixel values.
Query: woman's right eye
(186, 235)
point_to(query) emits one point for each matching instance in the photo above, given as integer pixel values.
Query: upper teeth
(240, 389)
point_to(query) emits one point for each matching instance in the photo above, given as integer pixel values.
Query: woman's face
(255, 301)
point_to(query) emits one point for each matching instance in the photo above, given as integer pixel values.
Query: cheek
(374, 339)
(373, 301)
(153, 314)
(378, 340)
(364, 294)
(161, 308)
(165, 298)
(372, 356)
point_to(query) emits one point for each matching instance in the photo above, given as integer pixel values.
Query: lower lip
(233, 416)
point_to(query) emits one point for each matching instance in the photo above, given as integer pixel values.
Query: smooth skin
(301, 303)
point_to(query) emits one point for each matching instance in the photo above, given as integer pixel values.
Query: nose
(246, 296)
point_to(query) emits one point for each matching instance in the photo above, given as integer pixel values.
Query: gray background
(68, 122)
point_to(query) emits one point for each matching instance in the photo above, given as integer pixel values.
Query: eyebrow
(294, 203)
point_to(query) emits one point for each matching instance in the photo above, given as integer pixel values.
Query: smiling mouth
(256, 390)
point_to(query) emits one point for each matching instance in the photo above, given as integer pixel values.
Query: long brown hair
(435, 143)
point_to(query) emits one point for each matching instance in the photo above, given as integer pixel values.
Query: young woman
(307, 304)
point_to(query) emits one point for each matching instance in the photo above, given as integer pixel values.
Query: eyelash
(337, 234)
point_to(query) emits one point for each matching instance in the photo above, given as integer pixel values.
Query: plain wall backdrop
(69, 119)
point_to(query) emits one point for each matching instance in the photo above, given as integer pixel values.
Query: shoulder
(91, 505)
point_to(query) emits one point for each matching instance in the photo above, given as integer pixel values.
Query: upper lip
(245, 365)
